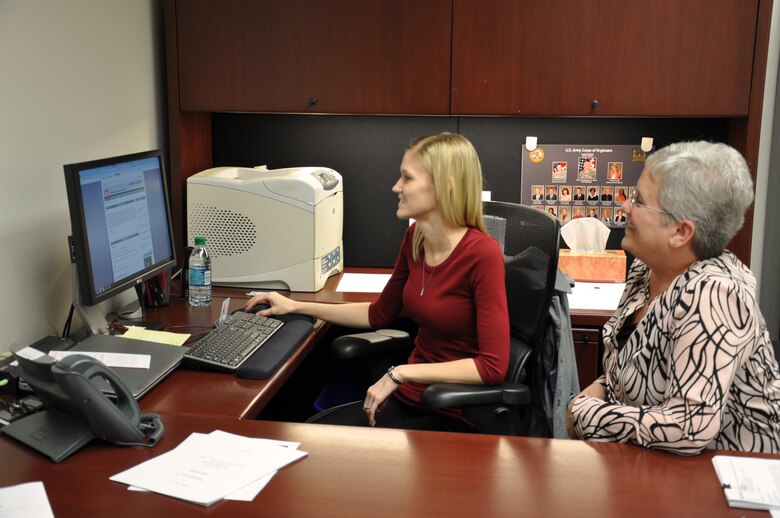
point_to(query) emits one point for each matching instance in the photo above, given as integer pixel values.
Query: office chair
(529, 239)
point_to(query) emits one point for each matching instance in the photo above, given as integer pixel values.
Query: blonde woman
(449, 278)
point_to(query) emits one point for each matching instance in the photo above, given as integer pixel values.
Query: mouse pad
(264, 362)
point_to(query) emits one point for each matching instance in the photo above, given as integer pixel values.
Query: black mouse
(259, 307)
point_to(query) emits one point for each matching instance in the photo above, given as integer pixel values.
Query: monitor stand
(95, 321)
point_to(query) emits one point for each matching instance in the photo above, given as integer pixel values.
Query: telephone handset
(120, 422)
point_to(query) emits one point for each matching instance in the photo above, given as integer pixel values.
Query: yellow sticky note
(163, 337)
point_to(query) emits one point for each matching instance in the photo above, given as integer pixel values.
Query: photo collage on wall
(571, 181)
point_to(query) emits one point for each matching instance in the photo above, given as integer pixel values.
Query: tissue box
(607, 266)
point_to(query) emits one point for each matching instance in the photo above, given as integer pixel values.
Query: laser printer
(268, 228)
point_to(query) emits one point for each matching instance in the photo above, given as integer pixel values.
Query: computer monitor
(121, 224)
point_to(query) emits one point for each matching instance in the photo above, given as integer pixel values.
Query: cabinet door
(635, 58)
(324, 56)
(588, 352)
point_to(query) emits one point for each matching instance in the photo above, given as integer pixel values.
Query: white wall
(766, 245)
(79, 80)
(769, 293)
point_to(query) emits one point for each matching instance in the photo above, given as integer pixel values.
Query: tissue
(585, 235)
(588, 260)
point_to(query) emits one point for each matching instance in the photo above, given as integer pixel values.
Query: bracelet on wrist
(391, 373)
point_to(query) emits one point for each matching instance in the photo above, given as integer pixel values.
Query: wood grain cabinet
(621, 58)
(588, 352)
(324, 56)
(675, 58)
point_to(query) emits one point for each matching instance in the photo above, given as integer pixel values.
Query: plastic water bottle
(200, 274)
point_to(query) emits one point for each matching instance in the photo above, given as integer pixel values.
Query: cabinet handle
(594, 104)
(312, 101)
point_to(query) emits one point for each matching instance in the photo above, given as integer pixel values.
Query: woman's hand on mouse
(279, 304)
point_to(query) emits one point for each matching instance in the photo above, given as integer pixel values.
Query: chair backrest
(529, 239)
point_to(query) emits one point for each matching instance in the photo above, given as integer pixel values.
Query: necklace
(424, 283)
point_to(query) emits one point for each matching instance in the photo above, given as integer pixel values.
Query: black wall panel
(367, 151)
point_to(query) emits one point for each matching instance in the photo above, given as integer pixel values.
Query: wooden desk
(196, 392)
(579, 318)
(202, 392)
(393, 473)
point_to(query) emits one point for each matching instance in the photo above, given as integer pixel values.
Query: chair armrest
(352, 346)
(448, 395)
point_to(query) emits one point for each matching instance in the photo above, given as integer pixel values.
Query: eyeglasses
(636, 203)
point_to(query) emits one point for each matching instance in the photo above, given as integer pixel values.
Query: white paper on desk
(25, 501)
(749, 482)
(603, 296)
(206, 468)
(130, 361)
(363, 282)
(250, 492)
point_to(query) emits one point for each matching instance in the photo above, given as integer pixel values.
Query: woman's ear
(684, 234)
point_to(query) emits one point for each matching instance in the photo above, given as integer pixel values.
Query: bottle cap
(200, 241)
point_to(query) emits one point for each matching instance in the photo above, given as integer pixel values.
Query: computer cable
(66, 328)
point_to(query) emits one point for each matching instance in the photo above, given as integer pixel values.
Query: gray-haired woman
(688, 361)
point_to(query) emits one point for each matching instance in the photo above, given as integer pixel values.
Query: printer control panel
(330, 261)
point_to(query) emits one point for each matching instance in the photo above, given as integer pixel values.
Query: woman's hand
(596, 390)
(376, 396)
(279, 304)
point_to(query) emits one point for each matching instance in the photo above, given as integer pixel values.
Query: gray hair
(706, 183)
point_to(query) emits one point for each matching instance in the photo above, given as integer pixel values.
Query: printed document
(206, 468)
(25, 500)
(749, 482)
(129, 361)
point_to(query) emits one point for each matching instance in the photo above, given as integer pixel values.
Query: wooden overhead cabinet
(324, 56)
(691, 58)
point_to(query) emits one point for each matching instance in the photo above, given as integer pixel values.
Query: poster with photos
(574, 181)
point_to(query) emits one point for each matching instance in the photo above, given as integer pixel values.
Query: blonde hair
(454, 168)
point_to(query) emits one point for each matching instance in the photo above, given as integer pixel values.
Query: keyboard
(232, 342)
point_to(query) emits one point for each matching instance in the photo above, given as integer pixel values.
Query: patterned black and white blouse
(697, 372)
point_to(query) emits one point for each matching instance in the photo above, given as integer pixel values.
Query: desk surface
(579, 318)
(203, 392)
(196, 392)
(393, 473)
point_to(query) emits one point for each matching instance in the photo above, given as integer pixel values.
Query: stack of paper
(206, 468)
(749, 482)
(25, 500)
(596, 296)
(363, 282)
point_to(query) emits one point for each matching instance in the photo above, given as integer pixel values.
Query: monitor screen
(121, 224)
